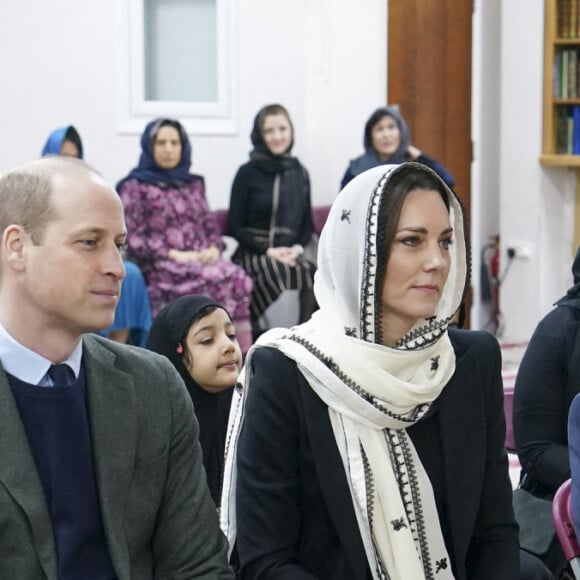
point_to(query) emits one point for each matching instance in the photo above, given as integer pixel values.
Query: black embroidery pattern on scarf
(350, 331)
(413, 504)
(327, 361)
(440, 565)
(370, 492)
(345, 216)
(434, 363)
(370, 320)
(398, 524)
(423, 336)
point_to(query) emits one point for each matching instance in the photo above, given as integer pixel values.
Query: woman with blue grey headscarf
(387, 140)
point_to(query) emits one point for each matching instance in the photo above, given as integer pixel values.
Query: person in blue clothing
(133, 314)
(567, 365)
(387, 140)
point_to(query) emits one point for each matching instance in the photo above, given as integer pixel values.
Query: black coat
(252, 212)
(295, 515)
(547, 382)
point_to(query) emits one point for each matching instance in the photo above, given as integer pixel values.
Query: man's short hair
(25, 193)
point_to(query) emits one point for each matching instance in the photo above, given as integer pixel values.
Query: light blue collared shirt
(29, 366)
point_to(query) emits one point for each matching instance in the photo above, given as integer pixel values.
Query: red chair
(319, 215)
(221, 216)
(562, 517)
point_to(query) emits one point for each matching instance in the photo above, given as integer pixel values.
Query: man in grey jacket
(101, 472)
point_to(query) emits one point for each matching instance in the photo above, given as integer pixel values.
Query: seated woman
(64, 141)
(270, 215)
(172, 233)
(547, 382)
(198, 336)
(133, 313)
(368, 442)
(387, 140)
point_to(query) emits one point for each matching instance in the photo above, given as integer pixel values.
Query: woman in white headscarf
(368, 442)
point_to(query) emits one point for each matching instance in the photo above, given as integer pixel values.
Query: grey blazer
(158, 517)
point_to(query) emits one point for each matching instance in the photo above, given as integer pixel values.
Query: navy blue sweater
(57, 426)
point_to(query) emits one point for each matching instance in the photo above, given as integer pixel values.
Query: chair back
(562, 517)
(319, 215)
(221, 216)
(508, 401)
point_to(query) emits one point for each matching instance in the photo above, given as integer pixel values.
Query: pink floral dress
(159, 220)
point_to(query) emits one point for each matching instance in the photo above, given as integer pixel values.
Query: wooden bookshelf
(561, 81)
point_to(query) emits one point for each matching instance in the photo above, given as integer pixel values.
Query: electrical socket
(520, 250)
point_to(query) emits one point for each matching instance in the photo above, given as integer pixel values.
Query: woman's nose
(435, 258)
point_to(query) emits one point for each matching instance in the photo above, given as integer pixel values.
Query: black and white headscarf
(373, 392)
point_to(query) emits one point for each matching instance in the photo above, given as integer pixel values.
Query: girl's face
(386, 137)
(277, 133)
(167, 148)
(418, 264)
(213, 357)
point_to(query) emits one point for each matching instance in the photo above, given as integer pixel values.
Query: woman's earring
(179, 348)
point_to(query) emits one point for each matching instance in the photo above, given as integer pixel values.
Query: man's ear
(14, 240)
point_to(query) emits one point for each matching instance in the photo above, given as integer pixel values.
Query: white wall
(327, 63)
(485, 123)
(60, 64)
(535, 202)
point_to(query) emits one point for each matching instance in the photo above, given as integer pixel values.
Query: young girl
(198, 336)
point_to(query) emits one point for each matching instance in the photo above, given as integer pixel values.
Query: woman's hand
(209, 255)
(414, 152)
(183, 255)
(205, 256)
(284, 254)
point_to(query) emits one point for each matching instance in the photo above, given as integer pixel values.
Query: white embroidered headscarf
(373, 392)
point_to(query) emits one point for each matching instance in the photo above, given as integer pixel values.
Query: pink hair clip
(179, 348)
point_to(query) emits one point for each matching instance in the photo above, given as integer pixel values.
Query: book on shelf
(564, 7)
(576, 130)
(572, 70)
(564, 75)
(561, 130)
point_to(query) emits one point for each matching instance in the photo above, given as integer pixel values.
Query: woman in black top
(270, 215)
(547, 382)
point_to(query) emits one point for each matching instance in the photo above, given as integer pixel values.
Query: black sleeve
(238, 213)
(540, 412)
(268, 485)
(494, 546)
(307, 226)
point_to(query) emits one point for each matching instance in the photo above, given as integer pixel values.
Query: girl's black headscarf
(148, 171)
(167, 337)
(572, 297)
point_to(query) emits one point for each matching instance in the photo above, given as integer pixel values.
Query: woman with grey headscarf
(387, 140)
